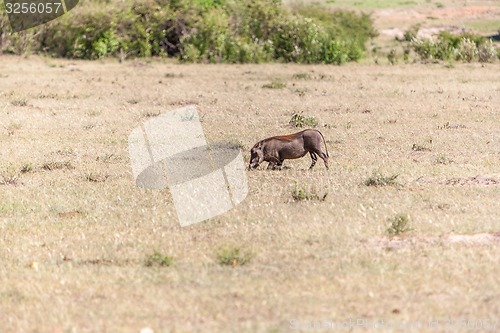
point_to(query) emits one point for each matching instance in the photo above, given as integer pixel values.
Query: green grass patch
(158, 259)
(301, 76)
(377, 179)
(300, 193)
(275, 84)
(299, 120)
(233, 256)
(400, 224)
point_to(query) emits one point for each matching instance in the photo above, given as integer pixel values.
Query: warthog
(279, 148)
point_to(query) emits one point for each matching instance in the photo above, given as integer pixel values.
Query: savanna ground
(77, 235)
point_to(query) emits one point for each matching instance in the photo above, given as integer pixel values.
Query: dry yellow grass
(76, 232)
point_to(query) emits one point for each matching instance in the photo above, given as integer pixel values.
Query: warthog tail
(326, 147)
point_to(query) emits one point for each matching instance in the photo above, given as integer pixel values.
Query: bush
(377, 179)
(275, 84)
(399, 225)
(210, 31)
(465, 47)
(487, 52)
(467, 50)
(300, 193)
(158, 259)
(233, 256)
(424, 47)
(298, 120)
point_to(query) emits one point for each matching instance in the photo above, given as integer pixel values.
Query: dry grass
(74, 239)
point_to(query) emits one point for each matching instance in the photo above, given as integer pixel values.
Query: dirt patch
(396, 243)
(393, 22)
(477, 180)
(428, 32)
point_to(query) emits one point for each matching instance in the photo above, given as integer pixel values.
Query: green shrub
(9, 175)
(198, 31)
(465, 47)
(302, 76)
(424, 47)
(158, 259)
(377, 179)
(233, 256)
(399, 225)
(467, 50)
(275, 84)
(298, 120)
(300, 193)
(487, 52)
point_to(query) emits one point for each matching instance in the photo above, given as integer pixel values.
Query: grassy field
(78, 239)
(482, 16)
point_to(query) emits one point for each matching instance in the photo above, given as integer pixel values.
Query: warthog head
(256, 156)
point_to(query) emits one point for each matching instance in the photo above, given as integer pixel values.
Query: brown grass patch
(313, 260)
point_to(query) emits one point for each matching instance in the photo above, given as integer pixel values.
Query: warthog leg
(314, 158)
(323, 156)
(275, 164)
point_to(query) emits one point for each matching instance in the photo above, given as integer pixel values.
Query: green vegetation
(442, 159)
(27, 167)
(19, 102)
(302, 76)
(232, 256)
(299, 193)
(275, 84)
(399, 225)
(298, 120)
(158, 259)
(56, 165)
(209, 31)
(419, 147)
(9, 175)
(377, 179)
(465, 47)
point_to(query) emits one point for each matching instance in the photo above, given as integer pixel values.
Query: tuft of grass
(275, 84)
(158, 259)
(10, 207)
(442, 159)
(301, 76)
(47, 95)
(9, 175)
(377, 179)
(233, 256)
(419, 147)
(94, 177)
(172, 75)
(27, 167)
(108, 158)
(298, 120)
(19, 102)
(12, 127)
(448, 126)
(93, 113)
(399, 225)
(299, 193)
(55, 165)
(301, 91)
(392, 57)
(150, 114)
(89, 127)
(133, 101)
